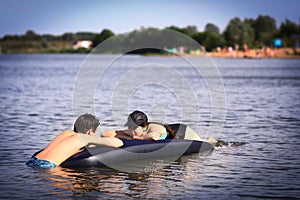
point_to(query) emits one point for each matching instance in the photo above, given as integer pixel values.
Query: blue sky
(61, 16)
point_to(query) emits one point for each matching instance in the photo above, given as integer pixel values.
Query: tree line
(255, 33)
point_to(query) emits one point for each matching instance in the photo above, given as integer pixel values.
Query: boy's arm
(109, 133)
(121, 134)
(106, 141)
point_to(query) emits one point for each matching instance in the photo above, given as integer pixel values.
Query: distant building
(86, 44)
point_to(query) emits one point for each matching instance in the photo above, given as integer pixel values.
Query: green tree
(190, 30)
(238, 32)
(212, 40)
(105, 34)
(212, 27)
(85, 36)
(175, 28)
(265, 29)
(11, 37)
(199, 37)
(49, 37)
(250, 21)
(69, 37)
(290, 33)
(31, 35)
(289, 28)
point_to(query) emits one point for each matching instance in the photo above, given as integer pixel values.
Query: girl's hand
(135, 137)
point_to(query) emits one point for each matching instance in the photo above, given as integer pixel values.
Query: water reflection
(107, 182)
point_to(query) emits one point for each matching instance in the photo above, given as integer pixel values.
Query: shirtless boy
(71, 142)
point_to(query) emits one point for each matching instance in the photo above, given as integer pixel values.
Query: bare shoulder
(156, 127)
(61, 137)
(67, 133)
(72, 138)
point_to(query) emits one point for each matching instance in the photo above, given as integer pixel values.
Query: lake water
(262, 109)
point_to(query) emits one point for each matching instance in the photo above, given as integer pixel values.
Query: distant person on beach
(246, 51)
(140, 129)
(71, 142)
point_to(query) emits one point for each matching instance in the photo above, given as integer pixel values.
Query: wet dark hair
(86, 122)
(137, 118)
(172, 133)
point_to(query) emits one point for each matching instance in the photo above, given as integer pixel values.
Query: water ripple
(262, 111)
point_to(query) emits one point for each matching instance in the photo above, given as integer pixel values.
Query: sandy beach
(259, 53)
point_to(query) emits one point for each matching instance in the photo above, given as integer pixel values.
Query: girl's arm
(154, 133)
(116, 134)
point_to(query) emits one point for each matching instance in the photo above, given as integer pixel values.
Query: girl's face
(136, 131)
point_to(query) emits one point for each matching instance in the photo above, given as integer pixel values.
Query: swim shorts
(164, 136)
(38, 163)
